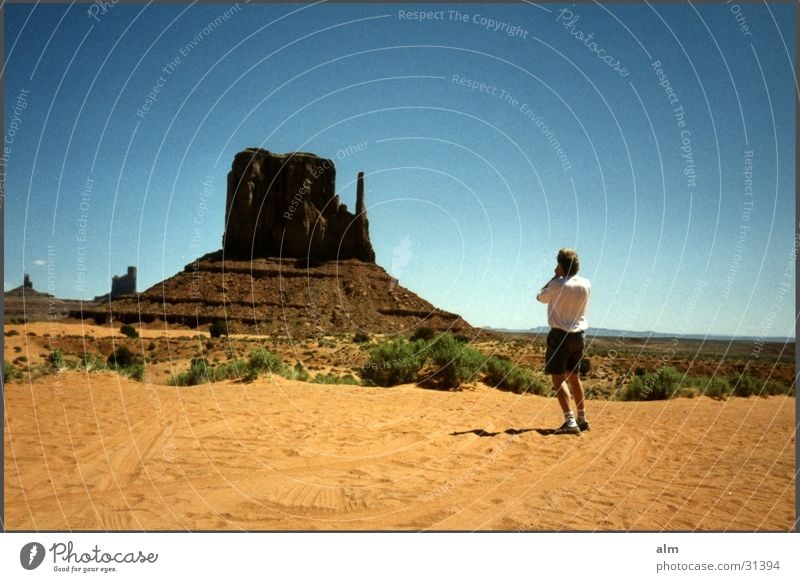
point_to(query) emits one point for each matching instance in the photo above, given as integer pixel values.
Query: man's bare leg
(577, 390)
(577, 393)
(561, 392)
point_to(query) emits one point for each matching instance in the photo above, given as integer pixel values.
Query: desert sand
(101, 452)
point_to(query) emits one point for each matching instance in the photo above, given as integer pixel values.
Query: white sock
(569, 417)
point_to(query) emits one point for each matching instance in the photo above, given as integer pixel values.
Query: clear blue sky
(468, 197)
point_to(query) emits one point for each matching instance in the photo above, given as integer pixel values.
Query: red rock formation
(285, 205)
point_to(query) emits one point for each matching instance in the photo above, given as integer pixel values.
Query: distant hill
(604, 332)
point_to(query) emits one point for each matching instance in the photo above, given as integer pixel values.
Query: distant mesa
(26, 289)
(24, 303)
(285, 205)
(294, 262)
(120, 285)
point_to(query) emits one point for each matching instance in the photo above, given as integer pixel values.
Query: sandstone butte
(295, 261)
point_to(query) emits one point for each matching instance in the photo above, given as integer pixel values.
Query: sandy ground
(101, 452)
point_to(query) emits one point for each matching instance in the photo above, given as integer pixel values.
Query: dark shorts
(564, 351)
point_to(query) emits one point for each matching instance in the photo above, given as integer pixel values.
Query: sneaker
(568, 428)
(583, 425)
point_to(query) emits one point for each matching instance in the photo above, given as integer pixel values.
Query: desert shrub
(135, 371)
(458, 363)
(640, 371)
(121, 358)
(423, 333)
(8, 372)
(56, 359)
(181, 379)
(360, 337)
(151, 346)
(89, 362)
(11, 332)
(298, 372)
(232, 370)
(347, 379)
(129, 331)
(218, 328)
(262, 360)
(209, 345)
(502, 373)
(745, 385)
(394, 362)
(715, 387)
(20, 360)
(662, 384)
(199, 372)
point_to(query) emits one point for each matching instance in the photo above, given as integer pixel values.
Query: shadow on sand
(512, 431)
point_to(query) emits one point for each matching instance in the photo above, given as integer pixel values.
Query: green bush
(662, 384)
(423, 333)
(347, 379)
(136, 371)
(264, 361)
(299, 372)
(745, 385)
(129, 330)
(56, 359)
(8, 372)
(394, 362)
(121, 358)
(218, 328)
(360, 337)
(458, 363)
(181, 379)
(502, 373)
(89, 362)
(232, 370)
(715, 387)
(199, 372)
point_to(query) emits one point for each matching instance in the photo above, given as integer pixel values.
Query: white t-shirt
(567, 299)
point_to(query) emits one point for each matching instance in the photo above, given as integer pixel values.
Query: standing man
(567, 297)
